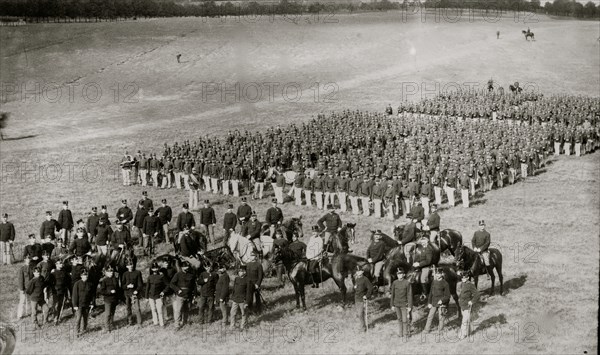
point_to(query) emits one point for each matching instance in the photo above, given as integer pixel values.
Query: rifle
(366, 315)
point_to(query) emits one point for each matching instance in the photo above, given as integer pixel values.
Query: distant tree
(590, 9)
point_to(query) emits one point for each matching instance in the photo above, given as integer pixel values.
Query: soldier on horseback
(481, 242)
(376, 255)
(423, 260)
(314, 253)
(252, 230)
(330, 223)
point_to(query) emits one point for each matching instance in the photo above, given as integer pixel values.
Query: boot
(425, 287)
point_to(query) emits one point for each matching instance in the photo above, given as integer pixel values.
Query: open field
(547, 228)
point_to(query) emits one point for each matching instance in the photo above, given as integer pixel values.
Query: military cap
(123, 201)
(144, 193)
(48, 213)
(5, 215)
(164, 200)
(230, 205)
(103, 207)
(274, 200)
(94, 209)
(482, 222)
(185, 205)
(66, 203)
(79, 221)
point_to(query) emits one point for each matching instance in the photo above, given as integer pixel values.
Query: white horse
(243, 249)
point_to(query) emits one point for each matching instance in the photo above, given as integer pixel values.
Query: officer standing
(402, 302)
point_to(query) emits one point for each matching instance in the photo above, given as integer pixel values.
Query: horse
(292, 226)
(346, 234)
(243, 249)
(448, 239)
(528, 34)
(450, 275)
(197, 236)
(470, 260)
(119, 260)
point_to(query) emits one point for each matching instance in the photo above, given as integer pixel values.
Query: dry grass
(552, 220)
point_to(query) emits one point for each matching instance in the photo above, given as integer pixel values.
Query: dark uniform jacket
(65, 219)
(229, 221)
(244, 212)
(252, 229)
(80, 246)
(185, 218)
(274, 216)
(299, 249)
(241, 285)
(140, 216)
(7, 232)
(183, 284)
(188, 245)
(151, 226)
(254, 272)
(362, 287)
(401, 294)
(107, 285)
(222, 287)
(133, 278)
(49, 228)
(208, 284)
(92, 223)
(35, 289)
(165, 214)
(376, 251)
(103, 234)
(207, 216)
(155, 284)
(34, 251)
(440, 290)
(120, 237)
(83, 294)
(417, 212)
(481, 239)
(23, 277)
(62, 281)
(424, 256)
(468, 292)
(409, 233)
(433, 222)
(330, 222)
(124, 214)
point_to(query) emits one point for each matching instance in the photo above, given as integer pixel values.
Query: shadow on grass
(19, 138)
(492, 321)
(478, 202)
(514, 283)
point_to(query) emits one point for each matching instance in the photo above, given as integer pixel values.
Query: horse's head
(297, 226)
(349, 230)
(398, 230)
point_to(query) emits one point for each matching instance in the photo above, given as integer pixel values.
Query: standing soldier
(467, 296)
(92, 223)
(297, 188)
(194, 190)
(154, 166)
(330, 223)
(155, 293)
(426, 193)
(354, 188)
(389, 198)
(23, 277)
(402, 302)
(168, 173)
(83, 296)
(236, 176)
(464, 189)
(150, 230)
(126, 164)
(450, 187)
(103, 235)
(80, 245)
(133, 283)
(481, 242)
(146, 202)
(226, 173)
(366, 189)
(274, 217)
(208, 285)
(330, 189)
(259, 183)
(342, 184)
(239, 298)
(279, 186)
(33, 250)
(110, 289)
(177, 171)
(405, 193)
(143, 169)
(229, 222)
(104, 214)
(438, 300)
(124, 214)
(49, 227)
(437, 188)
(62, 285)
(255, 276)
(120, 240)
(35, 291)
(222, 293)
(378, 192)
(7, 237)
(362, 292)
(244, 212)
(318, 185)
(165, 214)
(208, 220)
(183, 285)
(307, 187)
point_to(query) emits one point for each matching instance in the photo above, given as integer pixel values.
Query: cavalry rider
(274, 217)
(314, 252)
(481, 242)
(409, 238)
(433, 224)
(423, 260)
(251, 230)
(298, 247)
(330, 223)
(376, 254)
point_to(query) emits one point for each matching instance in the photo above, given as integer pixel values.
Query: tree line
(90, 10)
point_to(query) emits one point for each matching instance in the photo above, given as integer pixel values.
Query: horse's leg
(500, 276)
(492, 277)
(296, 292)
(302, 294)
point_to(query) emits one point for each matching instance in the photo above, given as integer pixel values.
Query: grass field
(547, 227)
